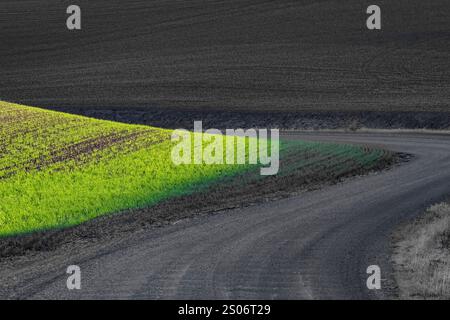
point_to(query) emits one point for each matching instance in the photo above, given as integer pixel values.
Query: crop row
(59, 170)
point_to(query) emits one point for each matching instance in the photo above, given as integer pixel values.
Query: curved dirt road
(314, 246)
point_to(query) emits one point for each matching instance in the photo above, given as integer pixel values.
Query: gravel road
(314, 246)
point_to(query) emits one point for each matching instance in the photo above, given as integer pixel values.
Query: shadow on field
(241, 191)
(300, 120)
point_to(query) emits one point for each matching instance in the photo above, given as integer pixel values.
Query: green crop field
(59, 170)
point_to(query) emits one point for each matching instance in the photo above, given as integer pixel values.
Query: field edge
(171, 211)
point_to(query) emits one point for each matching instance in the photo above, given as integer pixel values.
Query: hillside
(245, 55)
(59, 170)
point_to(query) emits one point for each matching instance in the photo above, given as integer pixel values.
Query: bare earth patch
(422, 256)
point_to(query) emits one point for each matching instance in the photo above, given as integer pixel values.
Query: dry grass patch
(422, 256)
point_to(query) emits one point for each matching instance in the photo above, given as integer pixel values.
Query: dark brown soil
(241, 55)
(301, 120)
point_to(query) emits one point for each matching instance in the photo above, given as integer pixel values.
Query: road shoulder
(422, 255)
